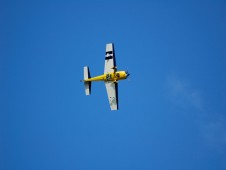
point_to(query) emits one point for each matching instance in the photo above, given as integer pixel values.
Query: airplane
(110, 77)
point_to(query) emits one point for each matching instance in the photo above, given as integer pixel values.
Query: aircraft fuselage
(113, 76)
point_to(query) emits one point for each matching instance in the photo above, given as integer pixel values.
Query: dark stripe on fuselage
(109, 57)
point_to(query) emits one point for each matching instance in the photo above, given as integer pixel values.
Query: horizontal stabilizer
(87, 88)
(87, 84)
(86, 73)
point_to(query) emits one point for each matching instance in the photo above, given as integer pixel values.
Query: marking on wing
(112, 100)
(108, 57)
(109, 52)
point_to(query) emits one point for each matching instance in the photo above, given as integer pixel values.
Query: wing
(110, 62)
(112, 91)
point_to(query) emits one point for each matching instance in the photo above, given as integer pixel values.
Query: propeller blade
(127, 74)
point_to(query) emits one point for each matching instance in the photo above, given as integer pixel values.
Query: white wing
(112, 91)
(110, 62)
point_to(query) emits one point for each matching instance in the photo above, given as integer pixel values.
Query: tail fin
(87, 84)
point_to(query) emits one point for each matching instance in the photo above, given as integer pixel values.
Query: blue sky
(172, 110)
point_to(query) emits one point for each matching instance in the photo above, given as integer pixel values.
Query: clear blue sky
(172, 110)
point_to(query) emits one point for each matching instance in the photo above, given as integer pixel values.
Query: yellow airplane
(110, 77)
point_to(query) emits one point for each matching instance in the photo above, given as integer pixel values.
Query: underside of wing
(110, 62)
(112, 92)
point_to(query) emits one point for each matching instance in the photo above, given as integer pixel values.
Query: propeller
(127, 74)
